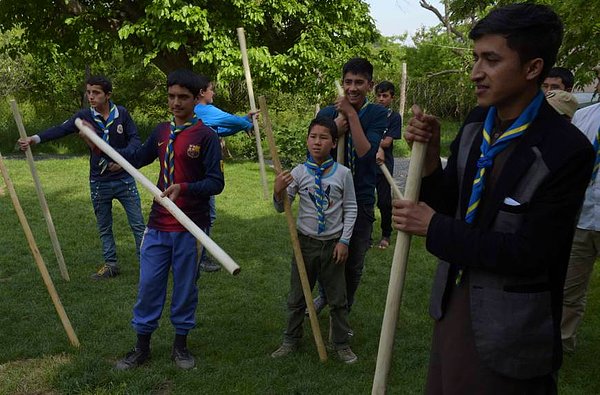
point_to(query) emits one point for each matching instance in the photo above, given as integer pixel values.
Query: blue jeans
(125, 191)
(213, 217)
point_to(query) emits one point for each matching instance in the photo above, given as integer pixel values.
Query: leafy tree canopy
(290, 42)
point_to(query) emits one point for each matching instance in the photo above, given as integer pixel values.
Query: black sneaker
(207, 265)
(106, 271)
(133, 359)
(183, 358)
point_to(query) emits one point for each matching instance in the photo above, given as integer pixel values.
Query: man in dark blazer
(501, 215)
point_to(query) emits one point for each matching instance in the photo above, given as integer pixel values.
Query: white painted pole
(39, 261)
(221, 256)
(261, 158)
(40, 194)
(403, 90)
(312, 314)
(397, 275)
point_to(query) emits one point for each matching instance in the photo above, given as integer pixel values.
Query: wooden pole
(341, 143)
(390, 180)
(39, 261)
(212, 247)
(40, 194)
(403, 91)
(312, 314)
(261, 159)
(397, 275)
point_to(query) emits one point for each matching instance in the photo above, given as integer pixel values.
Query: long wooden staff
(259, 150)
(403, 90)
(397, 275)
(390, 180)
(39, 261)
(212, 247)
(341, 143)
(40, 193)
(312, 314)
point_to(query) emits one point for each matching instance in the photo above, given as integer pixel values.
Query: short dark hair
(186, 78)
(567, 78)
(385, 86)
(358, 66)
(327, 123)
(102, 81)
(204, 82)
(532, 30)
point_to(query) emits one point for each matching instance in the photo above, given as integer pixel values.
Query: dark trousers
(357, 250)
(455, 367)
(318, 260)
(384, 204)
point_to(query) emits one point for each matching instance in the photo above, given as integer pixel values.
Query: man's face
(356, 87)
(553, 84)
(96, 96)
(501, 80)
(319, 143)
(385, 99)
(181, 102)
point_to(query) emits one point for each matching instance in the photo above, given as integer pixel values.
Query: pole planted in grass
(259, 150)
(39, 261)
(312, 314)
(397, 274)
(341, 143)
(213, 248)
(40, 194)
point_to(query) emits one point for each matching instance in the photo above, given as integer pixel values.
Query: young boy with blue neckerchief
(326, 216)
(107, 180)
(190, 173)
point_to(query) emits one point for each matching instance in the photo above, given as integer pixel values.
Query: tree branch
(443, 18)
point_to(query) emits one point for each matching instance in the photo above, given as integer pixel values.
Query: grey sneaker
(346, 355)
(207, 265)
(133, 359)
(105, 272)
(183, 358)
(283, 350)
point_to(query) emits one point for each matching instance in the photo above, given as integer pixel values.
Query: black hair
(186, 78)
(102, 81)
(358, 66)
(567, 78)
(204, 82)
(327, 123)
(385, 86)
(532, 30)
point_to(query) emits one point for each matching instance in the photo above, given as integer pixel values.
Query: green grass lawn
(240, 319)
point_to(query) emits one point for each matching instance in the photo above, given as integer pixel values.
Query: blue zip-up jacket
(224, 123)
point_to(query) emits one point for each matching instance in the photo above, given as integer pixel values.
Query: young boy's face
(207, 96)
(96, 96)
(500, 78)
(385, 99)
(320, 143)
(181, 102)
(356, 87)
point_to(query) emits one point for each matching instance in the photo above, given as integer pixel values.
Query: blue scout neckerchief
(319, 194)
(489, 152)
(350, 151)
(169, 162)
(112, 115)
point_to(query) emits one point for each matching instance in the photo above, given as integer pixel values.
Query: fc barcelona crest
(193, 151)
